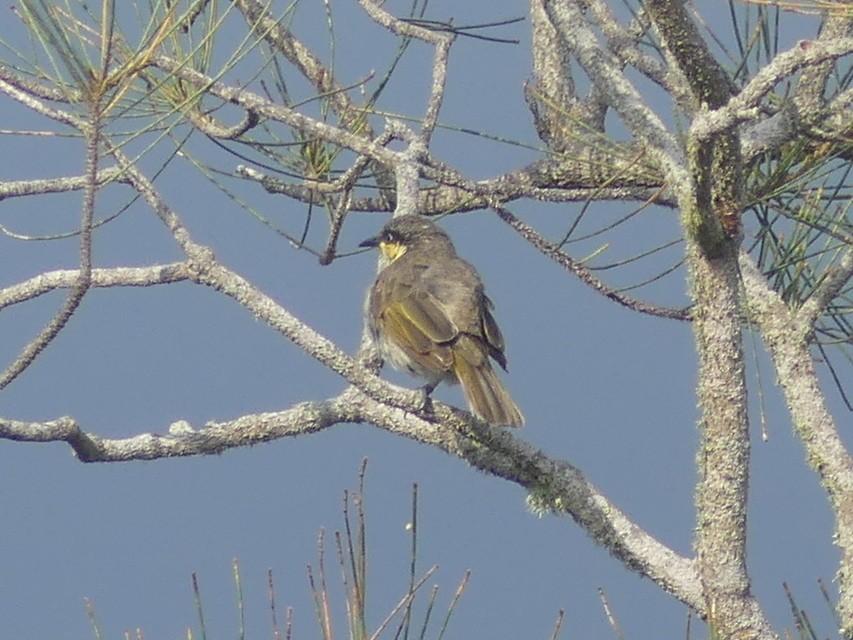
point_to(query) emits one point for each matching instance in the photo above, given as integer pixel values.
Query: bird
(429, 315)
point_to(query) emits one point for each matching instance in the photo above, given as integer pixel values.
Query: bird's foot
(426, 400)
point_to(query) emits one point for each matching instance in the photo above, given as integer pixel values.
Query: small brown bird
(430, 316)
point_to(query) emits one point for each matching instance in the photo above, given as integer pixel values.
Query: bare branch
(623, 43)
(834, 281)
(809, 96)
(204, 269)
(209, 126)
(837, 114)
(552, 98)
(182, 439)
(116, 277)
(583, 273)
(262, 106)
(37, 89)
(37, 106)
(562, 178)
(311, 67)
(402, 28)
(743, 107)
(441, 42)
(709, 82)
(19, 188)
(84, 275)
(787, 336)
(621, 95)
(554, 485)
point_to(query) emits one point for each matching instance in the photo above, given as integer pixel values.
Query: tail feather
(486, 395)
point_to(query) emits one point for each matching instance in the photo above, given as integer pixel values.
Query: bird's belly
(399, 359)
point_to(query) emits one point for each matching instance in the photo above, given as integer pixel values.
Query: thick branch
(551, 98)
(809, 96)
(834, 281)
(710, 84)
(580, 175)
(723, 458)
(787, 334)
(553, 484)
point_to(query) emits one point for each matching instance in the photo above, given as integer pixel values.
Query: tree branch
(787, 335)
(37, 89)
(81, 285)
(20, 188)
(262, 106)
(708, 81)
(576, 176)
(116, 277)
(744, 106)
(833, 282)
(585, 275)
(622, 96)
(37, 106)
(554, 485)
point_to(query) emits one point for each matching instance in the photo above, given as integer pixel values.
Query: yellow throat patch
(392, 250)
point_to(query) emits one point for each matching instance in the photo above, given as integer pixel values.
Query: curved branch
(743, 107)
(210, 127)
(554, 484)
(37, 89)
(810, 93)
(260, 105)
(644, 124)
(585, 275)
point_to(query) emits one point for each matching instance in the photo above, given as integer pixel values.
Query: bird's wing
(467, 308)
(492, 333)
(419, 325)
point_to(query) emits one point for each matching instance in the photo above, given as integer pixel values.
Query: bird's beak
(370, 242)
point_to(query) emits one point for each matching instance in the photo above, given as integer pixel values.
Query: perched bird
(430, 316)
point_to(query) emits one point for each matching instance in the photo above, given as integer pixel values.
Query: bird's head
(404, 233)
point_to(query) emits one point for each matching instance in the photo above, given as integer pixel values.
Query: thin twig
(583, 273)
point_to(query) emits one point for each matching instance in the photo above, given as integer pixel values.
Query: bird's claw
(426, 399)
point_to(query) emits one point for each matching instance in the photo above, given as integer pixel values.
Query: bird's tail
(486, 395)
